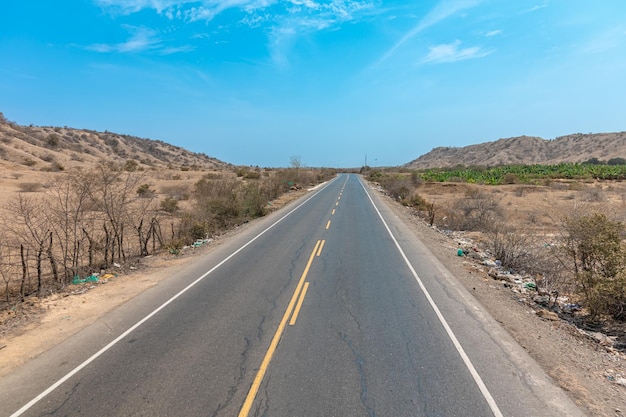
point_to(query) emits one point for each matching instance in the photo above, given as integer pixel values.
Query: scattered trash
(570, 307)
(78, 280)
(115, 264)
(459, 252)
(200, 242)
(542, 300)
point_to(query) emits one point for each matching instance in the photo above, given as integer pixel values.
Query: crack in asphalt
(259, 333)
(360, 362)
(109, 328)
(69, 395)
(259, 336)
(238, 380)
(264, 402)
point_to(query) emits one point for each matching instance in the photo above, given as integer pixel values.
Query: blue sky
(255, 82)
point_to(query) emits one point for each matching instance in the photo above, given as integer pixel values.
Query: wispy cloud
(450, 52)
(441, 11)
(284, 21)
(141, 39)
(493, 33)
(307, 17)
(133, 6)
(536, 7)
(197, 10)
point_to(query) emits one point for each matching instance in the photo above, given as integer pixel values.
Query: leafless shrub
(398, 186)
(478, 211)
(29, 162)
(54, 166)
(512, 247)
(29, 187)
(176, 191)
(595, 195)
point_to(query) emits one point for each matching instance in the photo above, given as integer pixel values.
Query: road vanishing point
(330, 306)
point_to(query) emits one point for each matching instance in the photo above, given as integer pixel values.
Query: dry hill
(527, 150)
(58, 148)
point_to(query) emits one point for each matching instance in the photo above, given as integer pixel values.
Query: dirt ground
(588, 371)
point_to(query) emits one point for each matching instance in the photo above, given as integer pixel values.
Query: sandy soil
(586, 370)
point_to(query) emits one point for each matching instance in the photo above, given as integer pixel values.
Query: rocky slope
(57, 148)
(527, 150)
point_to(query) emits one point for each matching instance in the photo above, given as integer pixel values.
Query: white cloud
(132, 6)
(141, 40)
(285, 20)
(493, 33)
(537, 7)
(176, 49)
(441, 11)
(450, 52)
(302, 20)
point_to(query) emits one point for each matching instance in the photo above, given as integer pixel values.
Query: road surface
(329, 307)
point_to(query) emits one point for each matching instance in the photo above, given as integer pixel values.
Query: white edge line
(74, 371)
(468, 363)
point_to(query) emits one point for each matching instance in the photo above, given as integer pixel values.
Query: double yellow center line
(298, 296)
(293, 309)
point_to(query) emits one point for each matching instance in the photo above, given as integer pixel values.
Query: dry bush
(593, 253)
(398, 186)
(511, 246)
(29, 162)
(29, 187)
(478, 211)
(594, 195)
(510, 178)
(176, 191)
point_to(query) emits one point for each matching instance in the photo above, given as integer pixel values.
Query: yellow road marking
(337, 203)
(333, 213)
(299, 305)
(254, 389)
(327, 225)
(319, 251)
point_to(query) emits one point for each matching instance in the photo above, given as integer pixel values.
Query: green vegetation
(524, 174)
(594, 254)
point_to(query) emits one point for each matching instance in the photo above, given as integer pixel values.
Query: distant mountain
(527, 150)
(57, 148)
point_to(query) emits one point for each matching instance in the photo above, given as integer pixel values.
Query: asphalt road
(329, 307)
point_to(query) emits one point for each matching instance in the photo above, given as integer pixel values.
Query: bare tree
(69, 213)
